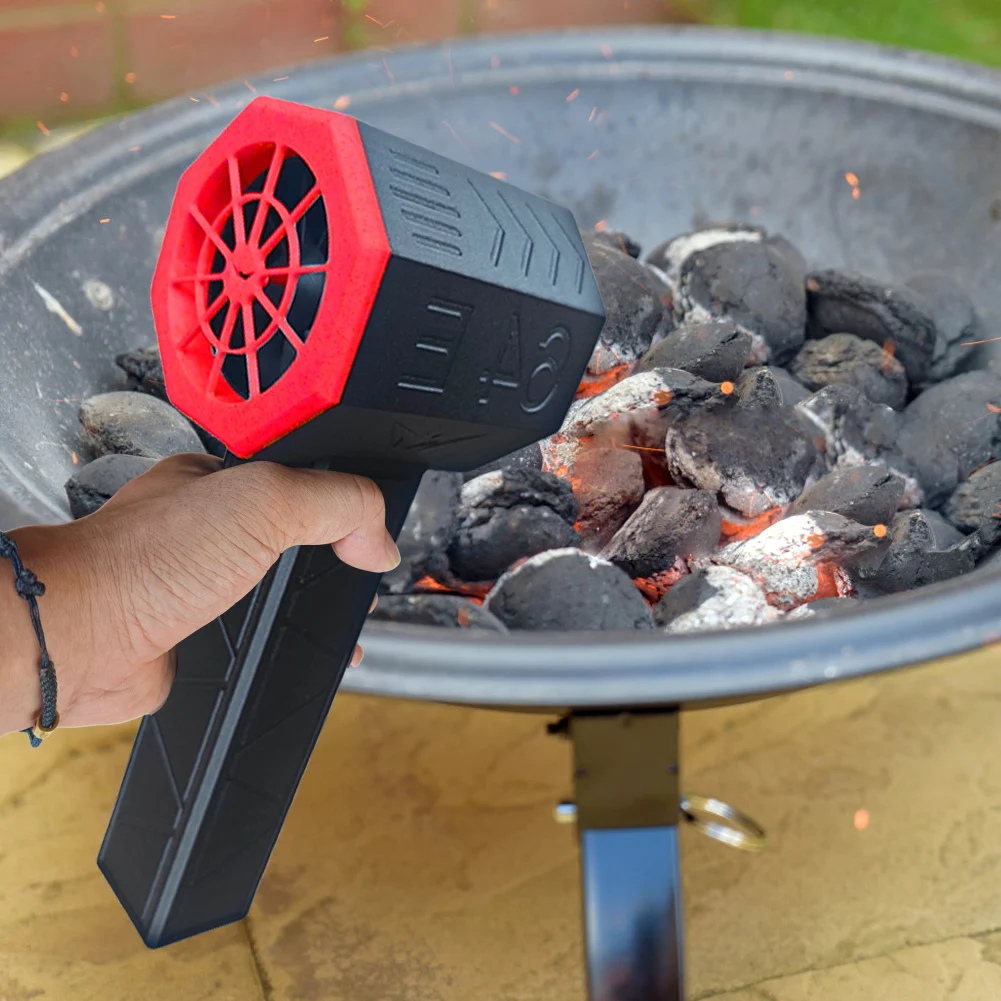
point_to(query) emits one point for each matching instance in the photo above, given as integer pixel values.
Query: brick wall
(62, 60)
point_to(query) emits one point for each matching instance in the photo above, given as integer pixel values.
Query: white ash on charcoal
(136, 424)
(714, 350)
(756, 459)
(920, 553)
(635, 411)
(804, 557)
(738, 273)
(975, 505)
(950, 430)
(529, 457)
(445, 610)
(956, 322)
(637, 307)
(429, 528)
(669, 524)
(768, 386)
(608, 484)
(98, 481)
(847, 360)
(823, 608)
(144, 373)
(565, 589)
(615, 239)
(855, 431)
(845, 302)
(509, 514)
(870, 494)
(711, 598)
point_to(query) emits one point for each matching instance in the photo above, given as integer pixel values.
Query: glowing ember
(879, 531)
(342, 102)
(515, 89)
(499, 174)
(736, 531)
(573, 95)
(592, 387)
(43, 129)
(852, 179)
(861, 820)
(726, 388)
(654, 588)
(475, 592)
(601, 225)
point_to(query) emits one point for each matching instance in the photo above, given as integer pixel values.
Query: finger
(281, 507)
(356, 657)
(375, 601)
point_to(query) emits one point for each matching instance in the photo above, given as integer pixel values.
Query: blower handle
(213, 773)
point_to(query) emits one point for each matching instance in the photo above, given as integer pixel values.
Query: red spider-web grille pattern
(258, 235)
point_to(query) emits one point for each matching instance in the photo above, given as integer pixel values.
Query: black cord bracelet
(30, 588)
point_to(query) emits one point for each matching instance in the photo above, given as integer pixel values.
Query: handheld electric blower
(332, 296)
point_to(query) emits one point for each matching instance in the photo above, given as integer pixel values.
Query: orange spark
(43, 129)
(130, 78)
(593, 154)
(134, 149)
(455, 135)
(376, 20)
(861, 820)
(726, 387)
(573, 95)
(322, 38)
(103, 221)
(463, 617)
(594, 111)
(64, 97)
(993, 409)
(788, 74)
(856, 193)
(515, 89)
(504, 132)
(168, 17)
(251, 87)
(74, 51)
(75, 458)
(499, 174)
(278, 79)
(195, 99)
(987, 340)
(342, 102)
(601, 225)
(852, 179)
(879, 531)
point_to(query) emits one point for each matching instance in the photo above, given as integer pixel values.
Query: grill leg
(627, 810)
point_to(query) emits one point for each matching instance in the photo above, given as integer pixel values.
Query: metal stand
(628, 805)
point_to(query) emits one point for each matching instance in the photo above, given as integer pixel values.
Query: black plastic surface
(213, 773)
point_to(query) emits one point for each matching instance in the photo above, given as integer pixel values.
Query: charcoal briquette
(894, 316)
(608, 485)
(753, 285)
(445, 610)
(98, 481)
(714, 350)
(144, 370)
(844, 359)
(768, 386)
(566, 589)
(507, 515)
(950, 430)
(975, 505)
(956, 321)
(712, 598)
(669, 256)
(429, 528)
(914, 558)
(822, 608)
(637, 307)
(669, 523)
(136, 424)
(867, 494)
(757, 459)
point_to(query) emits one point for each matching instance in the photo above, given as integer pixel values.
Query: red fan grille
(260, 270)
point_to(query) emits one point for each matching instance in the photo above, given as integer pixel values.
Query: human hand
(170, 552)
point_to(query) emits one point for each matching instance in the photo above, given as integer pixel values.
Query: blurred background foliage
(65, 64)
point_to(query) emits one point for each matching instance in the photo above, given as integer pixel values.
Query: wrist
(47, 551)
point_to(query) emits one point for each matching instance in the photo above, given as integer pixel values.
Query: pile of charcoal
(752, 442)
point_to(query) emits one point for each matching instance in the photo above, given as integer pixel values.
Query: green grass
(967, 29)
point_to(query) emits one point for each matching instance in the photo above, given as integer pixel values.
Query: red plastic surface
(258, 141)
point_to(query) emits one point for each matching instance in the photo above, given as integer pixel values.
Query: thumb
(280, 507)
